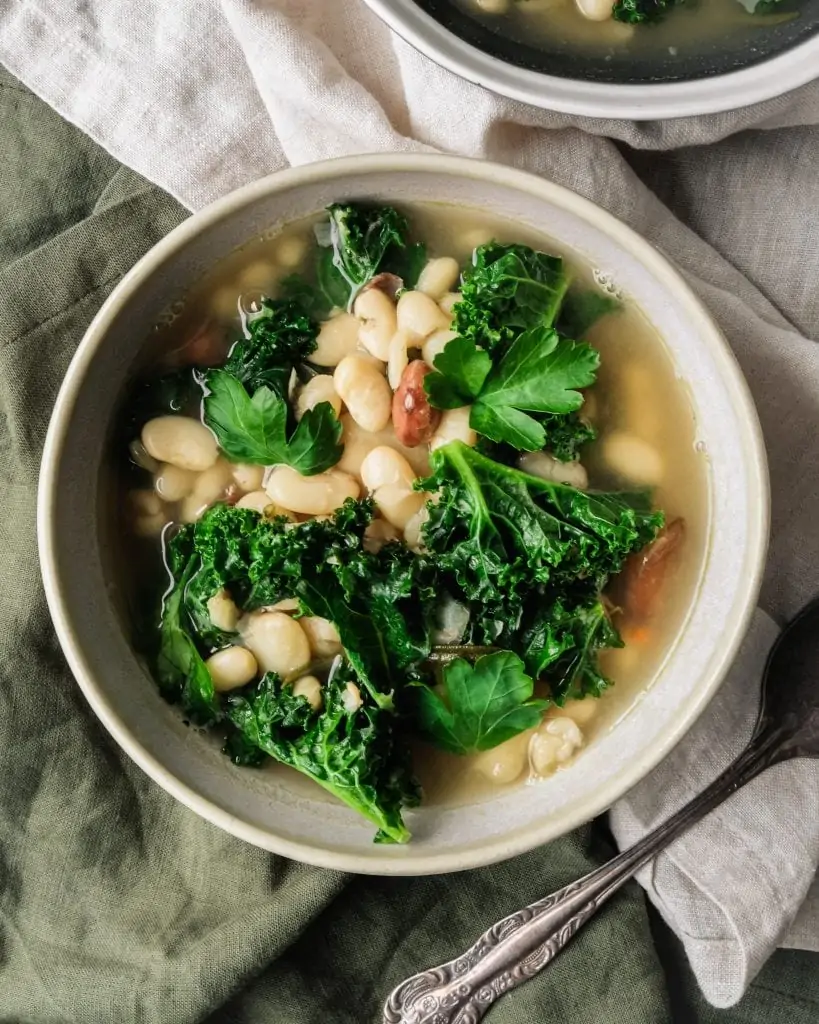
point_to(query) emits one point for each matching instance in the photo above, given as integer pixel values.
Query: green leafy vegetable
(361, 236)
(582, 309)
(566, 435)
(279, 336)
(405, 262)
(254, 429)
(641, 12)
(538, 374)
(482, 704)
(509, 289)
(461, 370)
(354, 752)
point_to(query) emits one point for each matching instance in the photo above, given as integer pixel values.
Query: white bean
(448, 303)
(210, 486)
(287, 604)
(224, 303)
(310, 495)
(150, 526)
(364, 391)
(378, 533)
(419, 316)
(258, 277)
(493, 6)
(144, 503)
(290, 252)
(454, 426)
(384, 465)
(322, 635)
(172, 483)
(337, 338)
(248, 477)
(377, 311)
(504, 764)
(435, 344)
(413, 536)
(581, 712)
(398, 504)
(258, 501)
(358, 442)
(231, 667)
(632, 458)
(223, 611)
(553, 745)
(438, 277)
(310, 688)
(278, 642)
(139, 455)
(545, 466)
(319, 389)
(180, 440)
(595, 10)
(351, 698)
(398, 358)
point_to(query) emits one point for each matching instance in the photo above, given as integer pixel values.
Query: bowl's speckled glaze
(726, 74)
(259, 807)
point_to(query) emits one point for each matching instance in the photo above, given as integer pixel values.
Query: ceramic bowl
(727, 73)
(296, 821)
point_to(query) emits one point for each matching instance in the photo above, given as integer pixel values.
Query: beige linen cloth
(201, 96)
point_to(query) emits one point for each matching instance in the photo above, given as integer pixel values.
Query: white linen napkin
(201, 96)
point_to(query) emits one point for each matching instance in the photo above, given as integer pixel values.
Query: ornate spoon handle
(516, 948)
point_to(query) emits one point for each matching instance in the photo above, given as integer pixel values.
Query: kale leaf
(641, 12)
(566, 435)
(539, 374)
(509, 289)
(481, 706)
(361, 238)
(279, 336)
(354, 752)
(255, 429)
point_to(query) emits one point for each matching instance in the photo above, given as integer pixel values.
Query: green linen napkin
(118, 905)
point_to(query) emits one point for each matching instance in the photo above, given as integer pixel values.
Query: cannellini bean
(378, 533)
(595, 10)
(633, 458)
(150, 526)
(224, 303)
(581, 712)
(144, 503)
(258, 277)
(448, 302)
(413, 536)
(278, 642)
(287, 604)
(419, 316)
(398, 504)
(384, 465)
(358, 442)
(172, 483)
(454, 426)
(546, 467)
(231, 667)
(364, 391)
(140, 457)
(553, 745)
(223, 611)
(322, 635)
(377, 311)
(310, 688)
(290, 252)
(504, 764)
(248, 477)
(181, 441)
(310, 495)
(351, 698)
(319, 389)
(435, 344)
(210, 486)
(337, 338)
(258, 501)
(398, 358)
(438, 277)
(493, 6)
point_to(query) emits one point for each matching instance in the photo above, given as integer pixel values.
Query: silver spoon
(517, 948)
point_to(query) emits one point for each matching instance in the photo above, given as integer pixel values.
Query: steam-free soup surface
(647, 438)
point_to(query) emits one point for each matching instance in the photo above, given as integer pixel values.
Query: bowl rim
(597, 800)
(713, 94)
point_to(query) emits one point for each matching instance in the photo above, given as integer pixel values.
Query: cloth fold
(202, 97)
